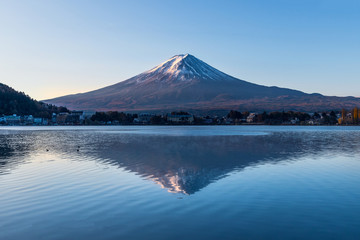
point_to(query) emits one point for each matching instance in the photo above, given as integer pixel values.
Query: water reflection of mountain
(188, 164)
(182, 164)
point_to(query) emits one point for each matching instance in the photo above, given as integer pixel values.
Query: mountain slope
(186, 83)
(14, 102)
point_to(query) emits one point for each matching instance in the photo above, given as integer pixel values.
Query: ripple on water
(177, 182)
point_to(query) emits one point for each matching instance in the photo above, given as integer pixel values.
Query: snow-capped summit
(184, 82)
(185, 67)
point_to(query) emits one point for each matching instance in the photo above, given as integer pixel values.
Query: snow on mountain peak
(171, 66)
(185, 67)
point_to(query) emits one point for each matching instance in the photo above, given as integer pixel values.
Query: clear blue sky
(53, 48)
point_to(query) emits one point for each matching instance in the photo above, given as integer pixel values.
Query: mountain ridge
(15, 102)
(185, 82)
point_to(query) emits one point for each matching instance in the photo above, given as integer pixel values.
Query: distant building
(251, 118)
(144, 118)
(2, 120)
(13, 119)
(294, 121)
(346, 119)
(228, 121)
(61, 118)
(53, 118)
(175, 118)
(88, 114)
(81, 115)
(38, 121)
(28, 120)
(75, 117)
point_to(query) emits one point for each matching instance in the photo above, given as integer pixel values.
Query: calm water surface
(208, 182)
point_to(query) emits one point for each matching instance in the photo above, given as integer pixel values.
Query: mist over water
(207, 182)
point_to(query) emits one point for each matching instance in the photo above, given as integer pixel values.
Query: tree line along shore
(66, 117)
(17, 108)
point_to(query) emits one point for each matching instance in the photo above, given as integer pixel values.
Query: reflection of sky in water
(231, 178)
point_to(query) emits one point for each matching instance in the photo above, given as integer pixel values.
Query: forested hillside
(14, 102)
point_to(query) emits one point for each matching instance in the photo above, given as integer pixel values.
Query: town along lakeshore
(342, 117)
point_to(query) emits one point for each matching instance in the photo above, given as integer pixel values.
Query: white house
(251, 118)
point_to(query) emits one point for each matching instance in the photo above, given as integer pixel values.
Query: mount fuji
(184, 82)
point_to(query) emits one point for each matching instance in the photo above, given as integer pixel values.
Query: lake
(180, 182)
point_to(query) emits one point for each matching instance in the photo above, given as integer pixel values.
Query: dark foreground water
(227, 182)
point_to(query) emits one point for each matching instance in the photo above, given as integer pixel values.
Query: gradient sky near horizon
(54, 48)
